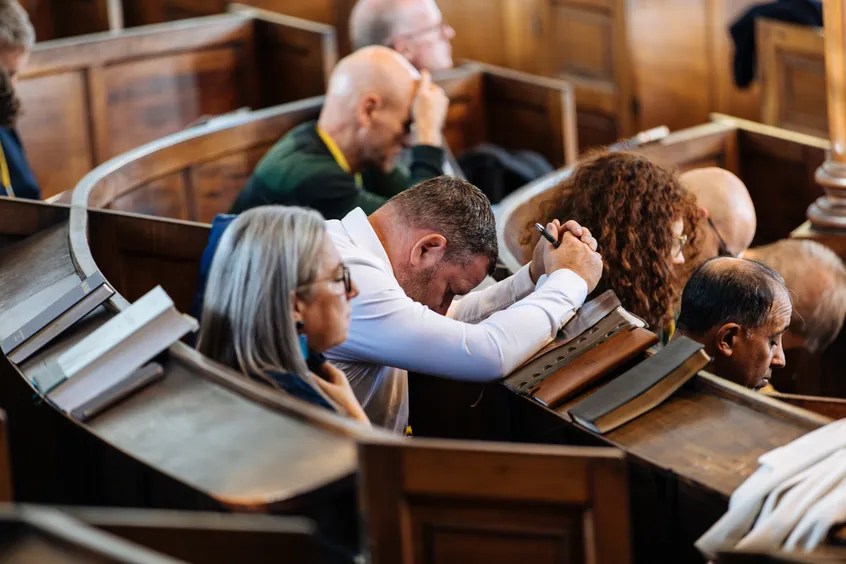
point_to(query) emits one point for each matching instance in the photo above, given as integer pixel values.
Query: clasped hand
(577, 252)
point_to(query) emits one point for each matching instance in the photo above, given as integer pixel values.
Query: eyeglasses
(723, 250)
(443, 29)
(343, 275)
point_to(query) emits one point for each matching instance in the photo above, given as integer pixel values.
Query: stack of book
(593, 348)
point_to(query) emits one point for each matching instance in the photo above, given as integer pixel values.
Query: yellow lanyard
(4, 174)
(338, 155)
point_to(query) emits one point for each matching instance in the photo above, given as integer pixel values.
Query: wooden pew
(208, 538)
(830, 407)
(88, 99)
(791, 66)
(55, 19)
(451, 501)
(147, 451)
(31, 534)
(197, 173)
(614, 52)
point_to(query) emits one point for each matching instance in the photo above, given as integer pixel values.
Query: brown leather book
(590, 367)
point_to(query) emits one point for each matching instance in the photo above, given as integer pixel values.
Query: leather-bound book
(643, 387)
(596, 321)
(592, 366)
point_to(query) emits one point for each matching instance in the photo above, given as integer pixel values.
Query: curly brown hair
(629, 203)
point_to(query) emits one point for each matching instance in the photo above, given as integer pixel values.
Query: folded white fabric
(790, 503)
(818, 520)
(778, 466)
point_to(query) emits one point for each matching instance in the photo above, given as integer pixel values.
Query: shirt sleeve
(477, 306)
(389, 328)
(426, 162)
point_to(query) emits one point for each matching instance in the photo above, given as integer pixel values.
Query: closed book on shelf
(112, 353)
(59, 315)
(641, 388)
(597, 321)
(594, 365)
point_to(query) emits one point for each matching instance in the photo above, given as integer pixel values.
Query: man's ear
(728, 337)
(428, 251)
(367, 105)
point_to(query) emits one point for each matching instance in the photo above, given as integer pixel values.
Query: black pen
(547, 235)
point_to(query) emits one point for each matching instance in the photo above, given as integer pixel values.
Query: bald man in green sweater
(348, 157)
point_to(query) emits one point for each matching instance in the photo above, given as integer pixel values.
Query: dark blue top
(20, 175)
(299, 388)
(219, 225)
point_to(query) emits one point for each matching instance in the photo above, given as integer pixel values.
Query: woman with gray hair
(16, 39)
(277, 297)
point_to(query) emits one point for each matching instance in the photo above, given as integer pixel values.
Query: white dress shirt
(484, 336)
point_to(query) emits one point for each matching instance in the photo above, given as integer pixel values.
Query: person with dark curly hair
(644, 222)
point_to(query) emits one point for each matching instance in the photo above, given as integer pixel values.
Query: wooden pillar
(829, 211)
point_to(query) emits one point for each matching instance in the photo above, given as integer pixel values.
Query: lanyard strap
(4, 174)
(338, 155)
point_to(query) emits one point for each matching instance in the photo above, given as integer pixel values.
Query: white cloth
(790, 503)
(813, 529)
(778, 466)
(484, 336)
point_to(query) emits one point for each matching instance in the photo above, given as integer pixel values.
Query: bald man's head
(368, 106)
(816, 278)
(724, 199)
(414, 28)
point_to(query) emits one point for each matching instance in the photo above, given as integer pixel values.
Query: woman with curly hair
(644, 221)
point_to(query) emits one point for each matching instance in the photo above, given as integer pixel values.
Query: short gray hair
(455, 209)
(816, 278)
(16, 30)
(263, 257)
(370, 24)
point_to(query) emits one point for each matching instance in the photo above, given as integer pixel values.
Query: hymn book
(596, 321)
(642, 388)
(73, 305)
(108, 358)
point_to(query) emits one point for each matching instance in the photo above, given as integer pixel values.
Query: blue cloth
(21, 176)
(219, 225)
(299, 388)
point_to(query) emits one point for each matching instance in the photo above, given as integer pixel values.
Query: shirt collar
(363, 235)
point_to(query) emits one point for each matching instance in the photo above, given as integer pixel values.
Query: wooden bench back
(88, 99)
(197, 174)
(194, 174)
(54, 19)
(791, 70)
(434, 502)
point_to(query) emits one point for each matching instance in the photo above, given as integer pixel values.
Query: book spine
(52, 312)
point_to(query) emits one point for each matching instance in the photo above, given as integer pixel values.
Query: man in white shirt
(431, 243)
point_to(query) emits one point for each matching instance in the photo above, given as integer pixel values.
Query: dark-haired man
(411, 258)
(739, 309)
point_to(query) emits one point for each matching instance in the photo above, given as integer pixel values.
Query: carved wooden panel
(526, 116)
(464, 127)
(792, 75)
(148, 99)
(217, 183)
(165, 197)
(55, 130)
(441, 502)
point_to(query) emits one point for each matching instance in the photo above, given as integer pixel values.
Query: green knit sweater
(299, 170)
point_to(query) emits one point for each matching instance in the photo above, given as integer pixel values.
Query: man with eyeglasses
(728, 215)
(413, 28)
(349, 157)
